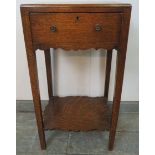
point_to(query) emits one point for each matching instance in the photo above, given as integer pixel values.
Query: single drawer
(76, 30)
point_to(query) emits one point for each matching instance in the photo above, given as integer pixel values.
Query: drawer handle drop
(98, 27)
(53, 28)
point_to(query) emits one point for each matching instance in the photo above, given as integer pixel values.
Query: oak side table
(76, 26)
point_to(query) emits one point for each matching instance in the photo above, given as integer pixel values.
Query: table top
(78, 5)
(105, 7)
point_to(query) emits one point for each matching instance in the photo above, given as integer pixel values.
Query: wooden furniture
(74, 26)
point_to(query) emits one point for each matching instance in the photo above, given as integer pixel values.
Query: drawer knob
(53, 28)
(98, 27)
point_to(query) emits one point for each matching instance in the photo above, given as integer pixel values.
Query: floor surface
(77, 143)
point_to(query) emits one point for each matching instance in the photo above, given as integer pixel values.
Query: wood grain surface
(77, 114)
(74, 29)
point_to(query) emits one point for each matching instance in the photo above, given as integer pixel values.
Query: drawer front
(76, 30)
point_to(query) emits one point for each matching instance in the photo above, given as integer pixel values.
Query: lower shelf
(77, 114)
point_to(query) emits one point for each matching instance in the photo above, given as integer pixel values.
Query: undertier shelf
(77, 114)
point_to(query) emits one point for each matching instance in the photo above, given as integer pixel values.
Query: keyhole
(77, 18)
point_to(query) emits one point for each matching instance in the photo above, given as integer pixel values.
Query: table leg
(48, 72)
(107, 73)
(31, 57)
(121, 56)
(117, 96)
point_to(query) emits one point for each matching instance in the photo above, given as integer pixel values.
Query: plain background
(79, 73)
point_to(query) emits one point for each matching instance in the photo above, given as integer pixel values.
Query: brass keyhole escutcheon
(77, 18)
